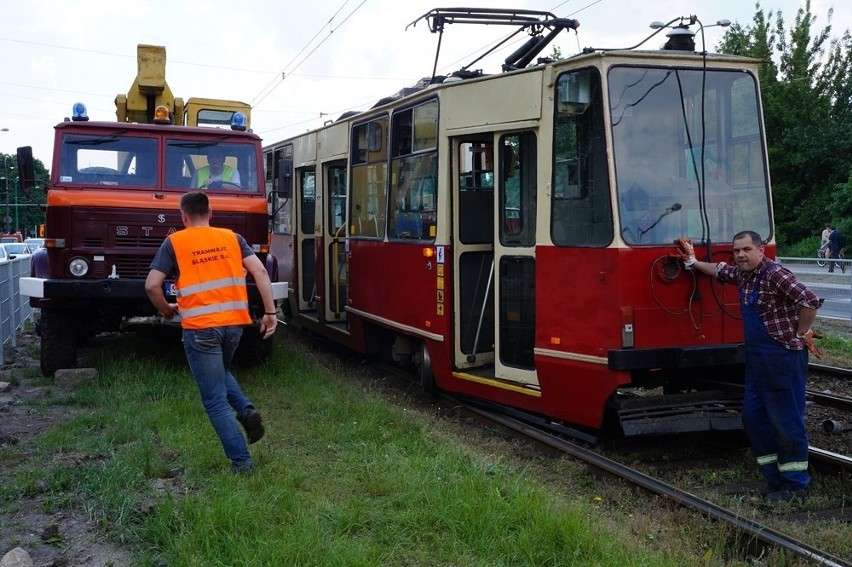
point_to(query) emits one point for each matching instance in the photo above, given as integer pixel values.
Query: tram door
(495, 225)
(305, 180)
(336, 268)
(473, 245)
(514, 249)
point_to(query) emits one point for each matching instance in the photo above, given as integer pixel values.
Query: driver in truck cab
(215, 173)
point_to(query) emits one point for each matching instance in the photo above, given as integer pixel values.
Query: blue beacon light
(79, 113)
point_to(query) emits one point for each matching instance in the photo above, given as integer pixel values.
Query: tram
(513, 235)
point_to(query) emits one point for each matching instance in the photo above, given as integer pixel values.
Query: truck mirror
(26, 169)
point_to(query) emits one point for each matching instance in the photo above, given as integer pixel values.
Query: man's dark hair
(195, 204)
(755, 237)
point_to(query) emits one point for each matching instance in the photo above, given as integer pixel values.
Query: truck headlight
(78, 267)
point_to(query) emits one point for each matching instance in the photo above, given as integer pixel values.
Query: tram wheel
(427, 377)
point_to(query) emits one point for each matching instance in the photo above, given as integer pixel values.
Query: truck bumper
(83, 289)
(41, 288)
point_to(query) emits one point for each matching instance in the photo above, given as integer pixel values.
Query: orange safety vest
(211, 283)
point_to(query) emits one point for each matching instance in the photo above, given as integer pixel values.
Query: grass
(343, 477)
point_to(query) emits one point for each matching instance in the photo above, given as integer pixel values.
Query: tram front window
(689, 156)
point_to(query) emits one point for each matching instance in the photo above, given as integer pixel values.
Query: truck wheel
(253, 348)
(58, 340)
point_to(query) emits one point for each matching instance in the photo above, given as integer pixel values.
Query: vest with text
(211, 283)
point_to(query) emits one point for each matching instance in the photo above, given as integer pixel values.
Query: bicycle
(821, 257)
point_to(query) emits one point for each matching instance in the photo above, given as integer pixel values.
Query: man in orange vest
(210, 266)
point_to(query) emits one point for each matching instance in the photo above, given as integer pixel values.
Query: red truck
(113, 197)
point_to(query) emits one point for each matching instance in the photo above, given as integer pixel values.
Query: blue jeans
(209, 353)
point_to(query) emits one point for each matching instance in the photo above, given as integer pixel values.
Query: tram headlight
(78, 267)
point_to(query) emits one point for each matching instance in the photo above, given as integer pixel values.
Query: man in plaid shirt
(778, 311)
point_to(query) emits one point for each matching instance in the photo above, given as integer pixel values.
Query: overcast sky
(335, 55)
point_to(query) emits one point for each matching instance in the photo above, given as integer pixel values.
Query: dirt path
(51, 538)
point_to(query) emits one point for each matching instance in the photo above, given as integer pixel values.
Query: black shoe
(252, 423)
(242, 468)
(766, 489)
(784, 496)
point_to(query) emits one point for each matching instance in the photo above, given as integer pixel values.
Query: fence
(834, 287)
(15, 309)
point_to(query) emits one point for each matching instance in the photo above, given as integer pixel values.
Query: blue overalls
(774, 404)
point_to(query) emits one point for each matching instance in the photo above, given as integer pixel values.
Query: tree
(28, 203)
(806, 101)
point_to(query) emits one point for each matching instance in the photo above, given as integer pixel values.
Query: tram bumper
(707, 408)
(677, 357)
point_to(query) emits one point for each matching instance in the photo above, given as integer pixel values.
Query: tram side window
(369, 197)
(414, 170)
(581, 204)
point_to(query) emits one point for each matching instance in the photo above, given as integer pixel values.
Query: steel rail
(758, 531)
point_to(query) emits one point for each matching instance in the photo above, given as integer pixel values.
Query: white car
(4, 256)
(15, 249)
(34, 243)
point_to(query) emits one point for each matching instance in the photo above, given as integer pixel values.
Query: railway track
(756, 532)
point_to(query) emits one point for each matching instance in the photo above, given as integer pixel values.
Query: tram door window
(476, 192)
(518, 189)
(369, 179)
(280, 197)
(307, 201)
(581, 204)
(516, 265)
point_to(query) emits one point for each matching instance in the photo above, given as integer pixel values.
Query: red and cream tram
(513, 235)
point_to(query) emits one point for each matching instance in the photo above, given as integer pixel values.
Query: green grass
(342, 477)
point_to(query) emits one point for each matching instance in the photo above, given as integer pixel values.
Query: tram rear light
(428, 252)
(627, 327)
(260, 248)
(54, 243)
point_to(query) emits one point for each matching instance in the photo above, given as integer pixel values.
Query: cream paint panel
(305, 149)
(512, 98)
(333, 141)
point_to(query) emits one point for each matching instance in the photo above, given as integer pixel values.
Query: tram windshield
(689, 155)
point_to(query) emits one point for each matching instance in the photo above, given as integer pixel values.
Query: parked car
(34, 243)
(15, 249)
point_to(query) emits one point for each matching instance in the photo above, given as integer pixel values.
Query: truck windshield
(107, 160)
(689, 155)
(220, 166)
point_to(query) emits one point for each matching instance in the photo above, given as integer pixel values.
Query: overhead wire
(276, 82)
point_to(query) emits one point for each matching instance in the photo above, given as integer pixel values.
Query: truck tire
(253, 348)
(58, 340)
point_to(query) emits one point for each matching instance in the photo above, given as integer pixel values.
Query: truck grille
(125, 266)
(139, 241)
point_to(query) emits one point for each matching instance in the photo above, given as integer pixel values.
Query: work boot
(253, 424)
(783, 496)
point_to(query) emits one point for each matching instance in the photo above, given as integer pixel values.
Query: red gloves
(808, 339)
(687, 252)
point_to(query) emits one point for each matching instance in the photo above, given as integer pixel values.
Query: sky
(298, 66)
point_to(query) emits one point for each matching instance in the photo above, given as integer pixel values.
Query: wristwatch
(800, 335)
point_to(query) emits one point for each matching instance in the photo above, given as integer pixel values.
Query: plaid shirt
(780, 296)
